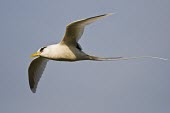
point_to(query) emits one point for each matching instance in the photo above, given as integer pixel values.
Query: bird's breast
(65, 53)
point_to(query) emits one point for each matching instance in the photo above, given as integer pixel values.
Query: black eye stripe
(41, 50)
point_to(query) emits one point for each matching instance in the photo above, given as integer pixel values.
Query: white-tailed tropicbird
(67, 50)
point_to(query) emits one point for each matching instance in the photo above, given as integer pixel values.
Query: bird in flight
(67, 50)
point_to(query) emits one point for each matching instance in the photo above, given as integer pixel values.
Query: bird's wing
(75, 29)
(35, 71)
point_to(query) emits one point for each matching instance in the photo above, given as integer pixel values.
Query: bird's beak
(35, 54)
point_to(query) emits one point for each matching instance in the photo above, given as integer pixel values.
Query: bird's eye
(41, 49)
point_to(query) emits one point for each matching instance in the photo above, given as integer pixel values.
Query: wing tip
(33, 90)
(109, 14)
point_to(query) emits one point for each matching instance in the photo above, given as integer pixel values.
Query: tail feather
(122, 58)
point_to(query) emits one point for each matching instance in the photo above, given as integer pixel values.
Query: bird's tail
(121, 58)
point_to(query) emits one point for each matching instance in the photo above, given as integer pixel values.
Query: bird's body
(67, 50)
(63, 52)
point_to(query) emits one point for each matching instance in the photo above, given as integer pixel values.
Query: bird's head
(39, 52)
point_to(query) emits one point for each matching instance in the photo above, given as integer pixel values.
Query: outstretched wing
(75, 30)
(35, 72)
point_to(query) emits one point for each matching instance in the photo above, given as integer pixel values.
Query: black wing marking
(78, 46)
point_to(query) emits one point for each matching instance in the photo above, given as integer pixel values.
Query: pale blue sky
(140, 27)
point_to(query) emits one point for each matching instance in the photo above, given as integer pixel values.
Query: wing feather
(35, 72)
(75, 30)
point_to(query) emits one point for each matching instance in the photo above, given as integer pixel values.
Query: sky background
(139, 27)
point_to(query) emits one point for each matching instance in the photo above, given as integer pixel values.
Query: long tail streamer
(122, 58)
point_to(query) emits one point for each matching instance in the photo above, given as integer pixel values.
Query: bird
(68, 49)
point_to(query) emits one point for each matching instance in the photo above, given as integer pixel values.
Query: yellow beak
(35, 54)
